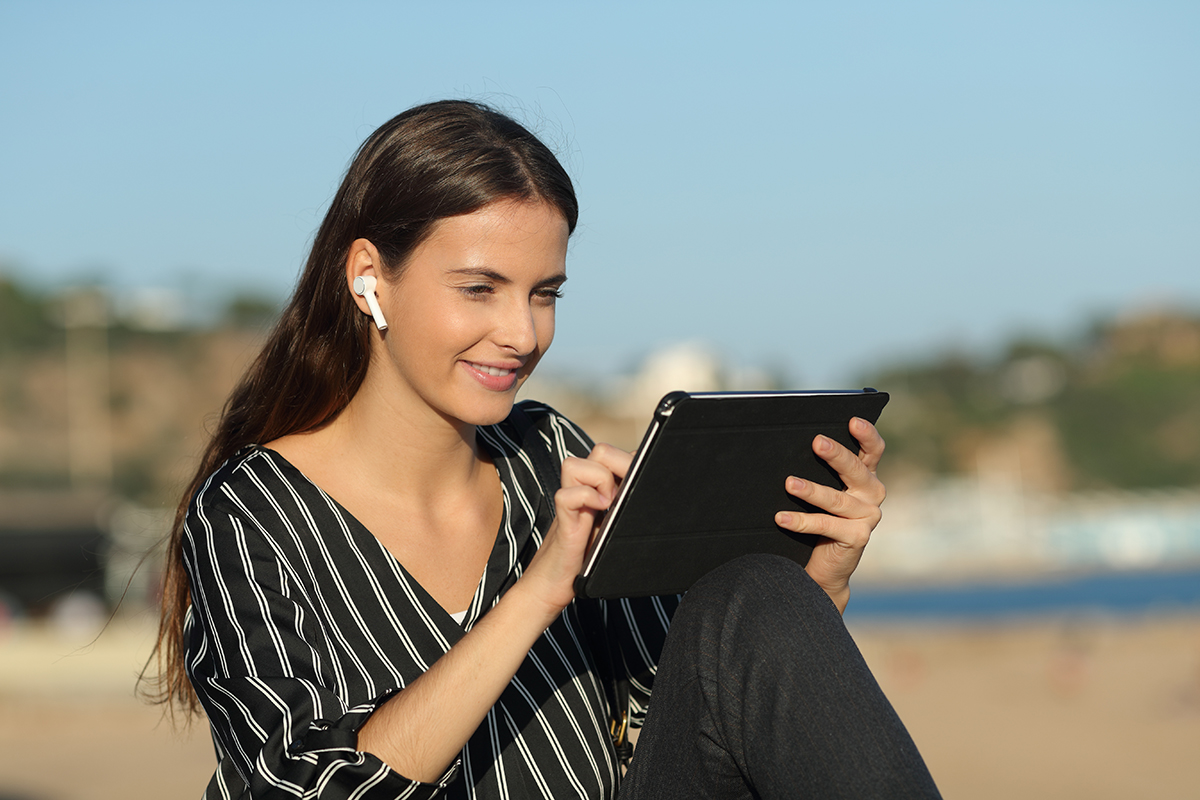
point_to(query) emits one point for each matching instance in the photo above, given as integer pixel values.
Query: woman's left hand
(853, 512)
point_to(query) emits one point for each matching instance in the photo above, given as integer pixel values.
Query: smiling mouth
(496, 379)
(493, 371)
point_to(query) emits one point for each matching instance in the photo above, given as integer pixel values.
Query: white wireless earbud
(364, 286)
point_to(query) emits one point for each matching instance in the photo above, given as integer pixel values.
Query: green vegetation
(25, 321)
(1124, 404)
(1133, 424)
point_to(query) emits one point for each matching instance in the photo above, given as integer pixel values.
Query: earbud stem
(364, 286)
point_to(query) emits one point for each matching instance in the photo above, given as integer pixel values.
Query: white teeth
(494, 371)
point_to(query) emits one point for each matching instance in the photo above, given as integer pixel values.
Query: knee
(754, 579)
(753, 590)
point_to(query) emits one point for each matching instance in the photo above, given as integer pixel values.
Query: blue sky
(813, 187)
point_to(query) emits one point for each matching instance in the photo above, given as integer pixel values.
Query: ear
(363, 261)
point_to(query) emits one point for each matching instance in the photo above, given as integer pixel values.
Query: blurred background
(989, 210)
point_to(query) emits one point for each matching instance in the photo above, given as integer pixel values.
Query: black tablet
(707, 481)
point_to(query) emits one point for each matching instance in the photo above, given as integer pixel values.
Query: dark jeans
(761, 693)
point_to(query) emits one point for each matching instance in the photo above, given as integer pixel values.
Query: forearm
(422, 729)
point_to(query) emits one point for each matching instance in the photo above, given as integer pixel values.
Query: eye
(478, 290)
(548, 293)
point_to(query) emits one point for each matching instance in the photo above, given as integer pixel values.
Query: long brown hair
(431, 162)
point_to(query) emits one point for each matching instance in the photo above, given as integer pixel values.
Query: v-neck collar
(503, 564)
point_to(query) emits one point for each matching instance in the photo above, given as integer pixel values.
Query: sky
(812, 188)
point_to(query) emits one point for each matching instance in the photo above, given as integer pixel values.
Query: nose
(518, 329)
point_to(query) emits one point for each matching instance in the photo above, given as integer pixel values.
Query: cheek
(450, 326)
(426, 334)
(545, 328)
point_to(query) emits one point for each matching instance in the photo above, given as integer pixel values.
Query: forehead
(504, 233)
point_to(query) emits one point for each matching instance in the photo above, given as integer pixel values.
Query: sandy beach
(1080, 708)
(1064, 708)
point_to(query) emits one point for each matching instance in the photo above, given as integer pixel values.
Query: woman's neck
(425, 452)
(378, 444)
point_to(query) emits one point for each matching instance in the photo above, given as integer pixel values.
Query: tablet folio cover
(712, 482)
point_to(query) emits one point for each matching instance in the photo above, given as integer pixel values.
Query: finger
(575, 501)
(862, 505)
(849, 467)
(871, 444)
(616, 459)
(845, 532)
(589, 472)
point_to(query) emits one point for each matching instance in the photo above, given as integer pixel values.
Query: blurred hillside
(1117, 409)
(112, 396)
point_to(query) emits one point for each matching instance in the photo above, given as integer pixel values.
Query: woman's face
(473, 311)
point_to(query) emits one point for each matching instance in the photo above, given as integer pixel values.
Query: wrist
(536, 602)
(840, 597)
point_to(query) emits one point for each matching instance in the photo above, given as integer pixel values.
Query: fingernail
(795, 485)
(824, 444)
(783, 518)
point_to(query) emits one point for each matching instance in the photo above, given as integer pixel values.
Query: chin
(490, 408)
(492, 413)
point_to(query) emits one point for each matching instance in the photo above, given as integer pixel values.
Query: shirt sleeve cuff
(326, 736)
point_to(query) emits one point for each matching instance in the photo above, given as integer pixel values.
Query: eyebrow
(484, 272)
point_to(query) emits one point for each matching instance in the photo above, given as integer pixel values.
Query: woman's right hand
(588, 488)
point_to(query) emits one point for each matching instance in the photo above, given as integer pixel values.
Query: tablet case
(707, 481)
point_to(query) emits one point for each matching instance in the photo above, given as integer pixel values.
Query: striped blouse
(302, 624)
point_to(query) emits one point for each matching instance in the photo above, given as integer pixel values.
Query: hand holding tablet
(708, 480)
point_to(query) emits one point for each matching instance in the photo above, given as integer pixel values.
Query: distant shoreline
(1119, 593)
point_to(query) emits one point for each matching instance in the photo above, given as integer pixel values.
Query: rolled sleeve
(317, 758)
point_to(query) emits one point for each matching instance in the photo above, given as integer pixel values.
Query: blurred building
(52, 544)
(966, 528)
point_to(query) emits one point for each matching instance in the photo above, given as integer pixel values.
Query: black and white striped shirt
(302, 623)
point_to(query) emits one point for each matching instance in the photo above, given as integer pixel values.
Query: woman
(370, 593)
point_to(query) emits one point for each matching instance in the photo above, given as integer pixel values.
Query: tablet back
(708, 481)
